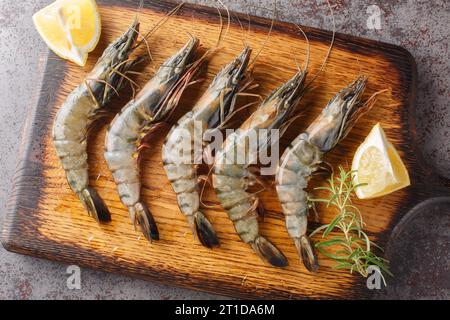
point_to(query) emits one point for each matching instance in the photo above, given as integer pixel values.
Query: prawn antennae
(221, 28)
(322, 67)
(308, 50)
(139, 9)
(366, 107)
(224, 35)
(268, 35)
(159, 24)
(244, 40)
(146, 43)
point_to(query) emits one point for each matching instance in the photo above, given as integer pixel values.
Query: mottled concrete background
(421, 26)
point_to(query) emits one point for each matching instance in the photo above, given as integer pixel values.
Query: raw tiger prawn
(80, 110)
(211, 111)
(304, 156)
(85, 104)
(146, 112)
(231, 179)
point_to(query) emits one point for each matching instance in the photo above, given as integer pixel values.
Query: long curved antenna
(244, 38)
(221, 28)
(146, 43)
(222, 34)
(139, 9)
(370, 102)
(309, 48)
(159, 24)
(228, 22)
(248, 27)
(329, 49)
(268, 35)
(296, 61)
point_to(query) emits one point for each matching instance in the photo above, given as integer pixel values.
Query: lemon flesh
(378, 165)
(70, 28)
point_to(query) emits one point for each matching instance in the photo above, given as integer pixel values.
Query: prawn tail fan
(306, 251)
(269, 253)
(146, 221)
(205, 231)
(95, 205)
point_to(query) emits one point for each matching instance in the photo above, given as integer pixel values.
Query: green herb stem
(353, 246)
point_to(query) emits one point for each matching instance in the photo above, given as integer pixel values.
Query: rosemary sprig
(352, 248)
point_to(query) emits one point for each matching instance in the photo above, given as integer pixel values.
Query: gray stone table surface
(421, 26)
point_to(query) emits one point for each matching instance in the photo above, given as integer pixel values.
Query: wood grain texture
(45, 218)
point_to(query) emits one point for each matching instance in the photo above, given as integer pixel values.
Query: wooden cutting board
(45, 219)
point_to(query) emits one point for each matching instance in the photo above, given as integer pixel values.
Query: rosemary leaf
(352, 249)
(331, 226)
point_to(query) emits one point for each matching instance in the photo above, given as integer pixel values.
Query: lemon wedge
(378, 165)
(70, 28)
